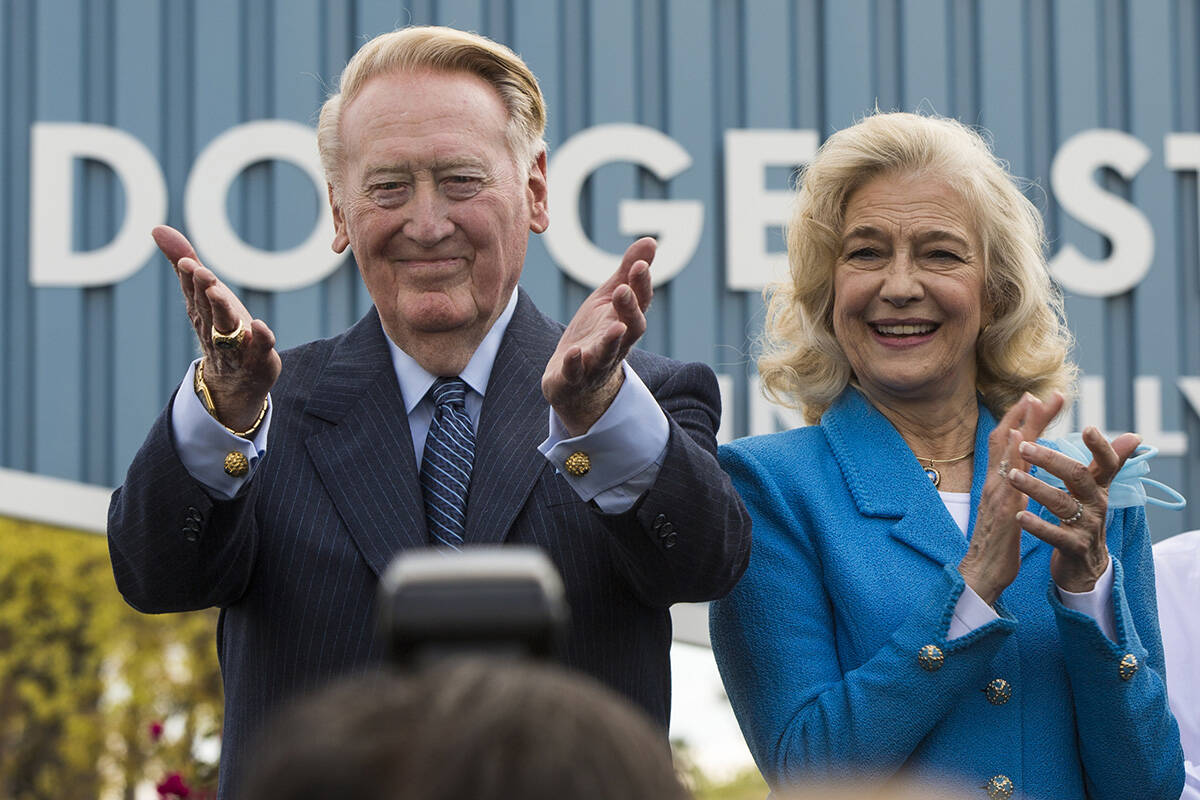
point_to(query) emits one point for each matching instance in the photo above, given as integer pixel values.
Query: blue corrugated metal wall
(83, 371)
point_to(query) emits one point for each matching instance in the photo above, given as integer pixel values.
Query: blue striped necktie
(446, 464)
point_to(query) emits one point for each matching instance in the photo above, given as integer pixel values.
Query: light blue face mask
(1129, 487)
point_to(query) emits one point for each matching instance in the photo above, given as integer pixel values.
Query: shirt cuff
(970, 612)
(203, 443)
(625, 448)
(1096, 604)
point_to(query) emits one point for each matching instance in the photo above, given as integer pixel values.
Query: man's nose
(901, 280)
(428, 221)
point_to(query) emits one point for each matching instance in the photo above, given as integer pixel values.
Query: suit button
(659, 521)
(998, 691)
(999, 787)
(668, 540)
(236, 465)
(930, 658)
(1128, 666)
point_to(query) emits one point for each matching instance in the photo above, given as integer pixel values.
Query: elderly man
(453, 413)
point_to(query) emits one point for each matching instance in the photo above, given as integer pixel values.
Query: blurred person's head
(975, 301)
(479, 729)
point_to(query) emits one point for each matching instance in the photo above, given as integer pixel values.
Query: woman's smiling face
(909, 289)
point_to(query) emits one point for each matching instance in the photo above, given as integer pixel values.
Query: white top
(1177, 578)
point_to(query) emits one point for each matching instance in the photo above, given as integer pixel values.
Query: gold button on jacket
(998, 691)
(999, 787)
(1128, 666)
(931, 658)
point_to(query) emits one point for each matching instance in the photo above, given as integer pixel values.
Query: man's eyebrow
(387, 170)
(467, 162)
(444, 165)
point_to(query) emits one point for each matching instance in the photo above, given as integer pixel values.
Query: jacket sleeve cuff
(203, 444)
(624, 448)
(1096, 604)
(1082, 636)
(970, 612)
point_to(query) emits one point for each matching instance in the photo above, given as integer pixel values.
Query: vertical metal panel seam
(902, 99)
(6, 179)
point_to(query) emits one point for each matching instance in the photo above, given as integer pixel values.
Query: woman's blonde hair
(446, 50)
(1024, 342)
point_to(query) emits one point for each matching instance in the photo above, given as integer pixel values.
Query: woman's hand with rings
(994, 555)
(1080, 551)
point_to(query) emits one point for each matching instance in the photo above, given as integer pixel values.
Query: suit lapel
(364, 454)
(887, 481)
(514, 421)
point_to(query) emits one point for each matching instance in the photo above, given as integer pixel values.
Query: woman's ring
(1071, 520)
(229, 341)
(1004, 468)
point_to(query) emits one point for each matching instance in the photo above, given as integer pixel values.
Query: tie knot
(449, 392)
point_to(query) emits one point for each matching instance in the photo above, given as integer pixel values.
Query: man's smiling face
(433, 203)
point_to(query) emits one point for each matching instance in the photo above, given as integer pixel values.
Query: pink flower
(173, 786)
(156, 731)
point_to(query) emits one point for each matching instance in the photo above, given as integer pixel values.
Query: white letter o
(222, 250)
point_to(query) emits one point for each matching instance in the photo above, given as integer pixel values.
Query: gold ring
(1071, 520)
(229, 341)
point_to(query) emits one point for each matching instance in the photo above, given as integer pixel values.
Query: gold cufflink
(578, 464)
(930, 658)
(236, 465)
(1128, 666)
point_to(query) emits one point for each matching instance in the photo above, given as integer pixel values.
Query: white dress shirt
(1177, 580)
(626, 445)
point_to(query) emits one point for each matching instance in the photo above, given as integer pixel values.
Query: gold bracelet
(206, 398)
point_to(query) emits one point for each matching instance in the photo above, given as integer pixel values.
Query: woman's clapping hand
(1080, 553)
(994, 555)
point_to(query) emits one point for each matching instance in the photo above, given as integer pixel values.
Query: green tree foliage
(83, 676)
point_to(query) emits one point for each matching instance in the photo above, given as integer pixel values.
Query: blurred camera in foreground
(482, 601)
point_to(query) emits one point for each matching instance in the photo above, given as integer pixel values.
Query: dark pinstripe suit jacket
(293, 561)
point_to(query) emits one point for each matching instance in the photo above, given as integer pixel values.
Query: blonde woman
(931, 590)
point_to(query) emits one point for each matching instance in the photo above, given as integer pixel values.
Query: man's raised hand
(584, 374)
(238, 378)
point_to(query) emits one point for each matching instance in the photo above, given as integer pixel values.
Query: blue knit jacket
(853, 571)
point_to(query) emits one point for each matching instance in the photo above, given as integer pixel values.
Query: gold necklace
(931, 470)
